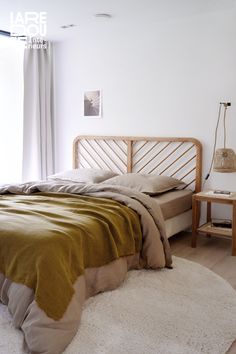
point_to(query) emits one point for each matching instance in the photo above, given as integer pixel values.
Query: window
(11, 109)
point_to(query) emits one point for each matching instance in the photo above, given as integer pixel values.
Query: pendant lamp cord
(225, 126)
(215, 141)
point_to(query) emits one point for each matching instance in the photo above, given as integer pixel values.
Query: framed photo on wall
(92, 103)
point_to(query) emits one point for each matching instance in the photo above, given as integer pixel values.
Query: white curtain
(38, 154)
(11, 109)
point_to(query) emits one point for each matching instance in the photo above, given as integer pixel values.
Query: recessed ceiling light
(68, 26)
(103, 15)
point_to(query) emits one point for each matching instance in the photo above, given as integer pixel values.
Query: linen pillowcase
(83, 175)
(148, 184)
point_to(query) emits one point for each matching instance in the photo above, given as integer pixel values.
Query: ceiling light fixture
(68, 26)
(103, 15)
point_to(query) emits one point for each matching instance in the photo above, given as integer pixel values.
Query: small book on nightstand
(220, 193)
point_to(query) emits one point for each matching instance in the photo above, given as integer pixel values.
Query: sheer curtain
(11, 109)
(38, 114)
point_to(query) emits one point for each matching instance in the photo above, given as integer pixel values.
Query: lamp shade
(224, 160)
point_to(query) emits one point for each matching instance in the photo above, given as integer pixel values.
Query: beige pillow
(149, 184)
(83, 175)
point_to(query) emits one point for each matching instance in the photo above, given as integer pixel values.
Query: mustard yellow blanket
(48, 239)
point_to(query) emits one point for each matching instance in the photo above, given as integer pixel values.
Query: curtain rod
(5, 33)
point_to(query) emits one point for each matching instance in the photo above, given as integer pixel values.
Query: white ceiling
(81, 12)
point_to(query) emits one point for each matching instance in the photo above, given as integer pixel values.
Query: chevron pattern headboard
(177, 157)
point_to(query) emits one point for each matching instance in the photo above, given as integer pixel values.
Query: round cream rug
(187, 310)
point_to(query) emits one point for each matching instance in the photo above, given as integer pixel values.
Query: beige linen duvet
(61, 243)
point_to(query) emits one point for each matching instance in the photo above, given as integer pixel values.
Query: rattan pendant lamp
(223, 159)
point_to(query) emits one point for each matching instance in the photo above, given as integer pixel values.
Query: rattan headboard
(177, 157)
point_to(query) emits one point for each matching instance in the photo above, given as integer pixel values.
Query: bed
(170, 156)
(63, 241)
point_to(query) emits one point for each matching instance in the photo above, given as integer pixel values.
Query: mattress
(174, 203)
(179, 223)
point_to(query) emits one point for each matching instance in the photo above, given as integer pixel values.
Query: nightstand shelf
(209, 197)
(215, 231)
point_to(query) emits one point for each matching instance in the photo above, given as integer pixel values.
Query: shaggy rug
(187, 310)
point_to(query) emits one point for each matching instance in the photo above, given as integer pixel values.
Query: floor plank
(212, 252)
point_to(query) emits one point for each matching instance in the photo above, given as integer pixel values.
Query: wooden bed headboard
(176, 157)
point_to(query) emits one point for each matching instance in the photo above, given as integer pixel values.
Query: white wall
(158, 78)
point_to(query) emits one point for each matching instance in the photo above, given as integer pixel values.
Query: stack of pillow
(149, 184)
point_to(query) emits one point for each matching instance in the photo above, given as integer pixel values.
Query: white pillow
(83, 175)
(148, 184)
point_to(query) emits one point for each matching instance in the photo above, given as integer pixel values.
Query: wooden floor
(212, 252)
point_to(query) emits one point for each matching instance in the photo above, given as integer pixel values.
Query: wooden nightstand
(206, 228)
